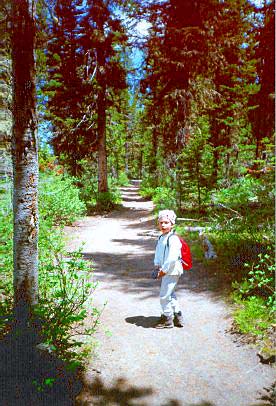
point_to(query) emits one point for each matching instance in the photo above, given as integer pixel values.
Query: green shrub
(164, 198)
(247, 191)
(242, 191)
(162, 193)
(260, 279)
(65, 301)
(147, 192)
(88, 183)
(107, 201)
(65, 282)
(6, 258)
(122, 179)
(59, 199)
(243, 227)
(88, 187)
(252, 316)
(147, 187)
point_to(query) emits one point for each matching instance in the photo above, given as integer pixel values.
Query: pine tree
(263, 113)
(177, 54)
(102, 41)
(84, 71)
(65, 88)
(200, 61)
(233, 77)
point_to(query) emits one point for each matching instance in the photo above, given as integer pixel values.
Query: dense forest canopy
(188, 103)
(206, 64)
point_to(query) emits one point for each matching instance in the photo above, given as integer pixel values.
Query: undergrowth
(66, 282)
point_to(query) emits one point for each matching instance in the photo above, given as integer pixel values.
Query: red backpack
(186, 257)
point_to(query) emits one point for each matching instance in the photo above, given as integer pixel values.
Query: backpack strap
(167, 243)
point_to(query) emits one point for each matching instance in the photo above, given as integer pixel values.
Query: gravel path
(136, 364)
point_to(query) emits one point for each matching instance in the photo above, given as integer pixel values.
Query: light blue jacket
(168, 257)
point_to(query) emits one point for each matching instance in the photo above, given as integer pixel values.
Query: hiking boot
(165, 322)
(178, 320)
(162, 319)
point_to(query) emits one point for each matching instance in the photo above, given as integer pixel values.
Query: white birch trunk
(25, 159)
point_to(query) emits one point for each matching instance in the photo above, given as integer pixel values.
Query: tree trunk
(198, 184)
(102, 158)
(154, 148)
(25, 160)
(127, 154)
(215, 166)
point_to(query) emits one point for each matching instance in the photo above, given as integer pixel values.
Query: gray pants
(168, 300)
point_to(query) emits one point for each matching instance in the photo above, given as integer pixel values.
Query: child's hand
(161, 274)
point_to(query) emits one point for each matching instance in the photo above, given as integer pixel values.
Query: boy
(167, 262)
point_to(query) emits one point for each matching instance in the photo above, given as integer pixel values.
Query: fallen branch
(228, 208)
(195, 228)
(186, 219)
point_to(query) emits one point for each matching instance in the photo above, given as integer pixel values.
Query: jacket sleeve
(173, 254)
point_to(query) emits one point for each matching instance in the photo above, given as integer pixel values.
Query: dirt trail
(136, 364)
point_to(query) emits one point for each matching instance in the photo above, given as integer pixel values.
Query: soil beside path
(136, 364)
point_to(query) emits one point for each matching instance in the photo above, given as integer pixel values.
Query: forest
(179, 94)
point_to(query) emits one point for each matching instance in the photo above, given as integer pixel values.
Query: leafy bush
(6, 259)
(88, 186)
(242, 227)
(246, 191)
(65, 301)
(107, 201)
(6, 283)
(252, 316)
(122, 179)
(160, 188)
(164, 198)
(255, 296)
(147, 187)
(59, 199)
(65, 283)
(88, 183)
(234, 248)
(147, 192)
(242, 191)
(261, 278)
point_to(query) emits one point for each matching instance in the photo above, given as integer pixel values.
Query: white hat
(167, 214)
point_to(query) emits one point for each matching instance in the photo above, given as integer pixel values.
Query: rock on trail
(136, 364)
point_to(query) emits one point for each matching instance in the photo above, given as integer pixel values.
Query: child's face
(164, 225)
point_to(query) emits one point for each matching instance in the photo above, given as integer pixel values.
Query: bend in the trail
(136, 364)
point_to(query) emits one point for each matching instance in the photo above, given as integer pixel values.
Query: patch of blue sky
(45, 133)
(259, 3)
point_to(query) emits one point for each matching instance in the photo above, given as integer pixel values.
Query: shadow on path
(120, 393)
(132, 272)
(142, 321)
(123, 394)
(31, 377)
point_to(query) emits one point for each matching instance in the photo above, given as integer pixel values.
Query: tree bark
(154, 149)
(215, 166)
(25, 160)
(101, 107)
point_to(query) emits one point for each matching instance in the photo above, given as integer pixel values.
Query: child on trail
(169, 268)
